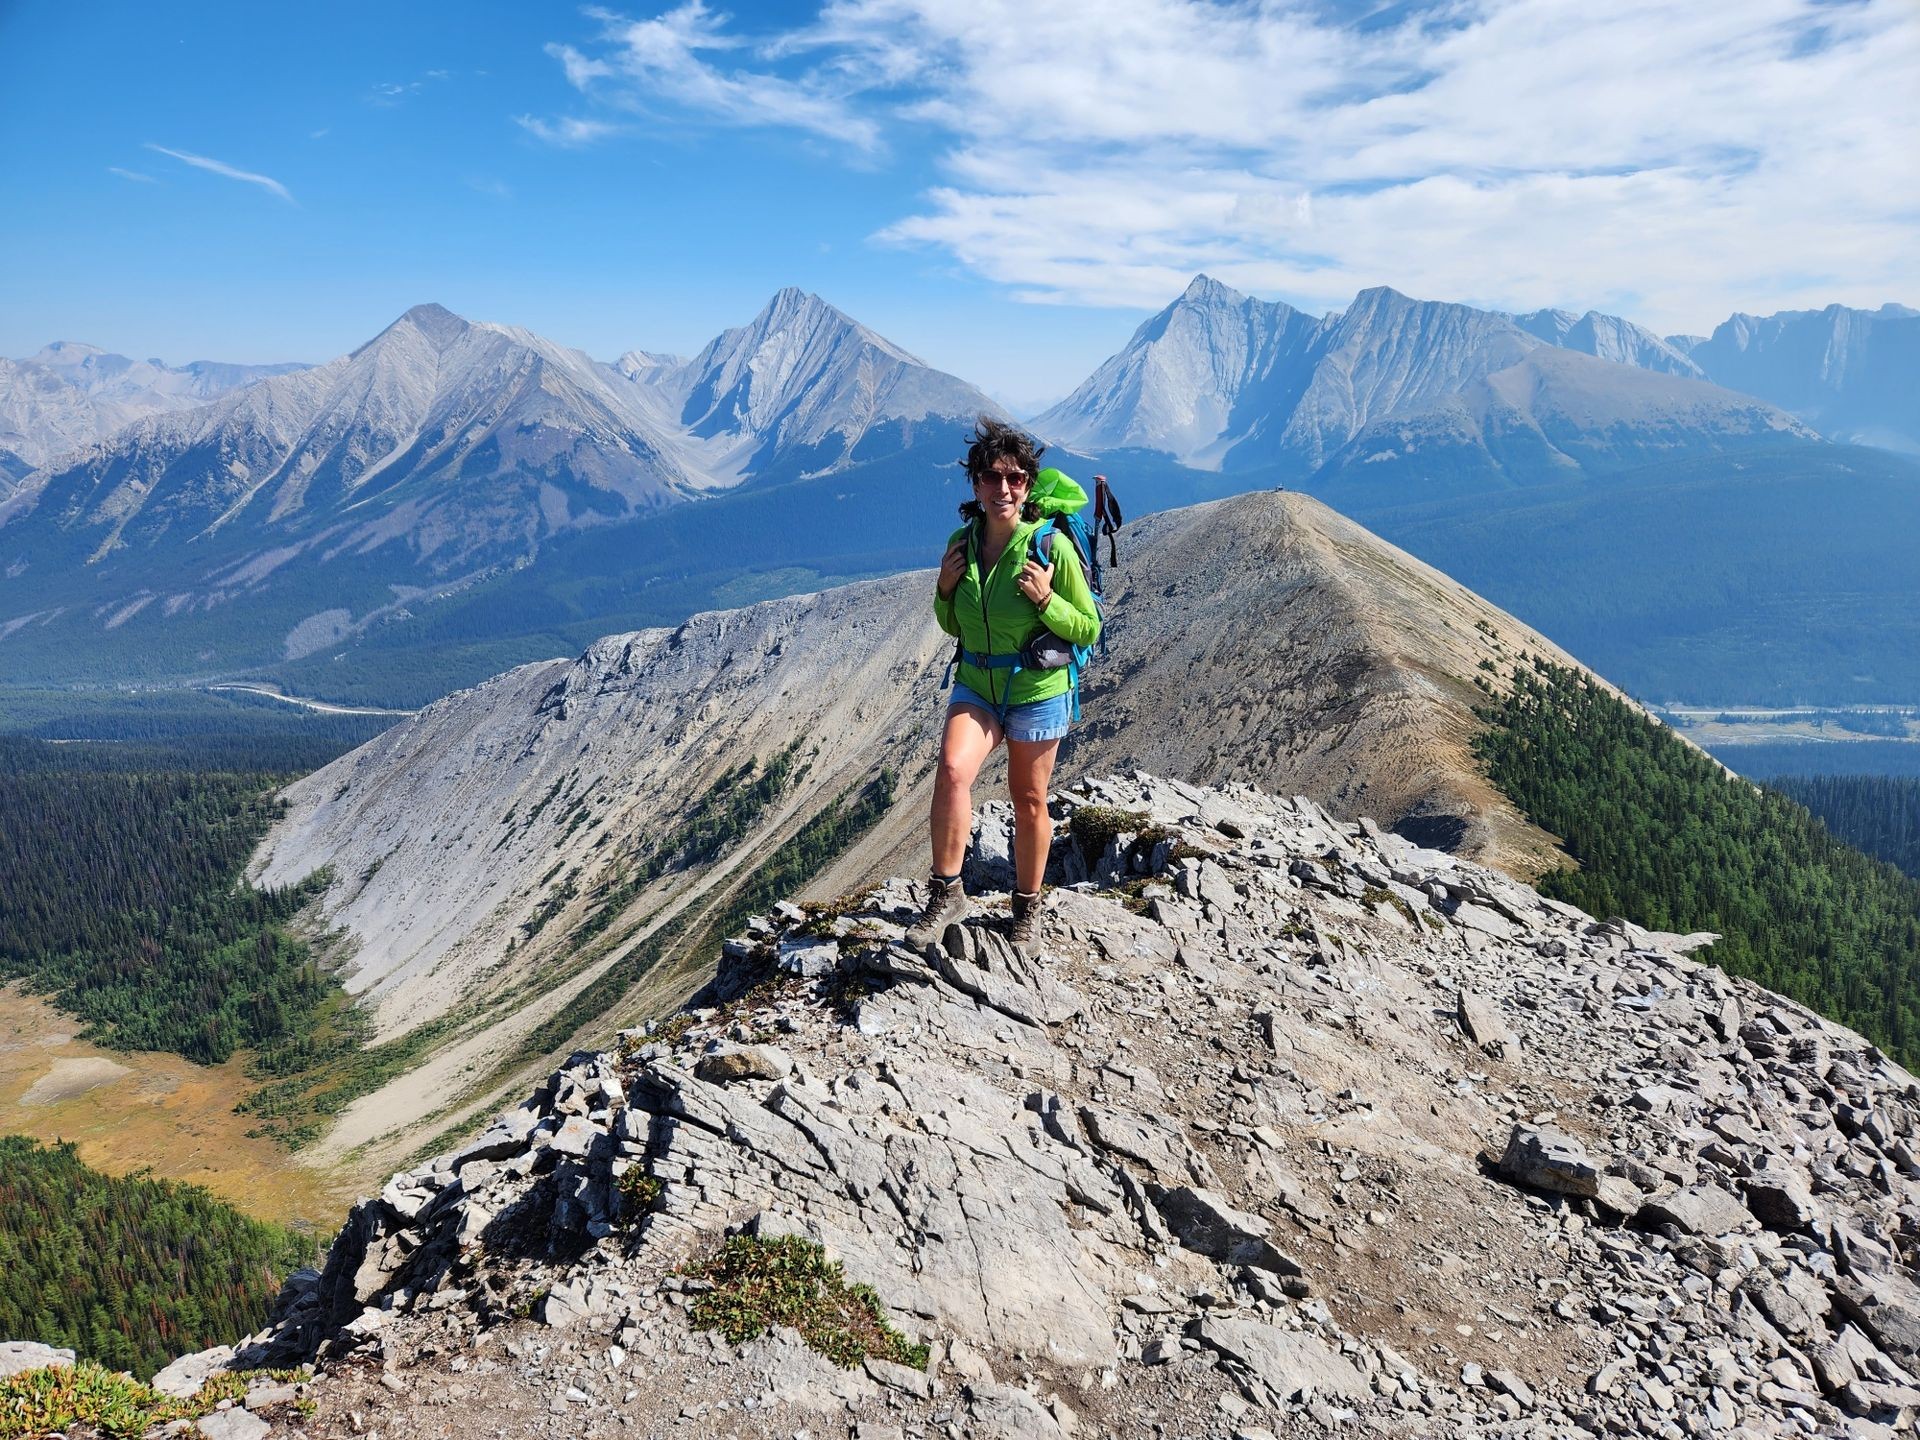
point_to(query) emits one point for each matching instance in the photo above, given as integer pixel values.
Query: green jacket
(989, 615)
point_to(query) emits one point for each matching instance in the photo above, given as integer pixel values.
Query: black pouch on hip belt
(1046, 651)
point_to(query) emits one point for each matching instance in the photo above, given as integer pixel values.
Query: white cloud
(661, 64)
(569, 130)
(1675, 162)
(131, 175)
(220, 167)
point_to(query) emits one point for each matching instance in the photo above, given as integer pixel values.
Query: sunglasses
(1011, 480)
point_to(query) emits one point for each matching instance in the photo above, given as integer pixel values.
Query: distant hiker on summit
(1014, 590)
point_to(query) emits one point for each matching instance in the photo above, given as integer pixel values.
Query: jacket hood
(1055, 492)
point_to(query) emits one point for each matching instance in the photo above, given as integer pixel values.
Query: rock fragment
(1486, 1027)
(17, 1356)
(1705, 1209)
(1546, 1159)
(1278, 1364)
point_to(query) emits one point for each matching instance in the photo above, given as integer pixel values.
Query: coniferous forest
(1880, 814)
(1666, 838)
(129, 1272)
(120, 894)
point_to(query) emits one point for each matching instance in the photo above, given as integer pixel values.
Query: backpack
(1065, 517)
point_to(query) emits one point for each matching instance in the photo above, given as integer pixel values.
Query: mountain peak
(1204, 289)
(436, 322)
(1380, 297)
(804, 380)
(791, 300)
(67, 352)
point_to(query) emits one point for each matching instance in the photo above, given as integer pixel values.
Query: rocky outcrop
(18, 1356)
(471, 842)
(1222, 1161)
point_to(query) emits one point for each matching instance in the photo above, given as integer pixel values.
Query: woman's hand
(1036, 583)
(953, 569)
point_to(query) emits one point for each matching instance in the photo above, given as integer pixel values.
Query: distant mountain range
(454, 497)
(441, 453)
(70, 395)
(390, 442)
(1853, 375)
(1220, 380)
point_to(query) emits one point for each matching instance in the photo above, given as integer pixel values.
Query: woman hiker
(995, 596)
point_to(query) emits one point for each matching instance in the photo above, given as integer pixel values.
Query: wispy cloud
(491, 186)
(569, 130)
(684, 60)
(1672, 161)
(388, 93)
(220, 167)
(131, 175)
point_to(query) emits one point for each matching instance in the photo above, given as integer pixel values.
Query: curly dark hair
(996, 440)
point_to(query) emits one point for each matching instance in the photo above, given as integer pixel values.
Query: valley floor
(140, 1110)
(1713, 726)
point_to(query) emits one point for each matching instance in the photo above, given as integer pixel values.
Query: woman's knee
(955, 776)
(1029, 802)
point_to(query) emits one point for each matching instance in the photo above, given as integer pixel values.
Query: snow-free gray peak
(1189, 374)
(1221, 380)
(1608, 337)
(71, 394)
(438, 325)
(1850, 373)
(804, 385)
(647, 367)
(468, 442)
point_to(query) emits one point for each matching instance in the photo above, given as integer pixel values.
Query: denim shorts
(1036, 720)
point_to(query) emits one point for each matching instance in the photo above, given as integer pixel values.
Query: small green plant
(1149, 839)
(639, 1192)
(1094, 827)
(1377, 895)
(758, 1284)
(40, 1402)
(44, 1402)
(672, 1030)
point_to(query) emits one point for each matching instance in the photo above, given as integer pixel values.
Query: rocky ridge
(469, 842)
(1609, 338)
(1848, 372)
(1291, 1127)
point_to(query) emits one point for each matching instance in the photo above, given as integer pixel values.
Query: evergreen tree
(1665, 837)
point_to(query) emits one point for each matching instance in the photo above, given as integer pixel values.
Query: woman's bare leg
(1029, 773)
(970, 736)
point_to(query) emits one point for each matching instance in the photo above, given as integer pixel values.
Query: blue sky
(1006, 189)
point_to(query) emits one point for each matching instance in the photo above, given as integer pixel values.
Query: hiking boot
(1026, 921)
(946, 905)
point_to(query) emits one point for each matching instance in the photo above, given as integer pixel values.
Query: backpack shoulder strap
(1043, 536)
